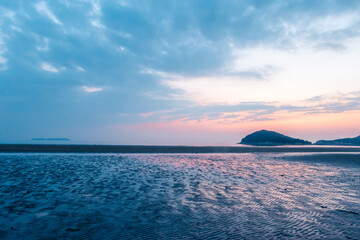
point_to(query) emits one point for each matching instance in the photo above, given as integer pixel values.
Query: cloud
(245, 112)
(91, 89)
(48, 67)
(3, 49)
(329, 46)
(97, 24)
(96, 8)
(292, 76)
(43, 9)
(43, 44)
(336, 22)
(262, 73)
(3, 63)
(210, 60)
(148, 114)
(9, 16)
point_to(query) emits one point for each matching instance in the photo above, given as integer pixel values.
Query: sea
(180, 196)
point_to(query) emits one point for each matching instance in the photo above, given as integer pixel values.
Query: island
(271, 138)
(341, 142)
(51, 139)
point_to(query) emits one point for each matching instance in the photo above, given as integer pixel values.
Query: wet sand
(179, 196)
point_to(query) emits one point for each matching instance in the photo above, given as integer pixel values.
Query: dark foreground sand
(179, 196)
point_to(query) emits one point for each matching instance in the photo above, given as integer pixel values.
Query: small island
(271, 138)
(50, 139)
(341, 142)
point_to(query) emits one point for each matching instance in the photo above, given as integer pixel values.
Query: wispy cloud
(43, 9)
(332, 46)
(148, 114)
(43, 44)
(91, 89)
(260, 111)
(96, 8)
(3, 63)
(48, 67)
(336, 22)
(96, 23)
(5, 14)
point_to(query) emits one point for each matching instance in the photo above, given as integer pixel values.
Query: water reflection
(187, 196)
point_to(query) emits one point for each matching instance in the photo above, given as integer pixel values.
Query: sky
(178, 72)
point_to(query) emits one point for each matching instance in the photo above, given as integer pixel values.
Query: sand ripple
(185, 196)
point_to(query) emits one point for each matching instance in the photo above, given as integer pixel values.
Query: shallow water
(184, 196)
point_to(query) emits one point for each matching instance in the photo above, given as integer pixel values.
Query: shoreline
(52, 148)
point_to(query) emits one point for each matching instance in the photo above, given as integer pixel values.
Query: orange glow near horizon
(307, 126)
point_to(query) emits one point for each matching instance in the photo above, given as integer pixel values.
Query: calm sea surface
(179, 196)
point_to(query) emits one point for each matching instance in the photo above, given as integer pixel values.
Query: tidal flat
(180, 196)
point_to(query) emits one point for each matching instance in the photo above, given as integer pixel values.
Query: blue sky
(177, 72)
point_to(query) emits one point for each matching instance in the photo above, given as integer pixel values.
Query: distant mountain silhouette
(343, 141)
(271, 138)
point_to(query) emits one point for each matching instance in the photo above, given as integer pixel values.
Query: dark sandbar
(52, 148)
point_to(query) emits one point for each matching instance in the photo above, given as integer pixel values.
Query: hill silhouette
(271, 138)
(342, 141)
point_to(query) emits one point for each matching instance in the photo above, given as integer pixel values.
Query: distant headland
(341, 142)
(271, 138)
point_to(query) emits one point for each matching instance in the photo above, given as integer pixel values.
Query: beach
(180, 196)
